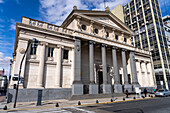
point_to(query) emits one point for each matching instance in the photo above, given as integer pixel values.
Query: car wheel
(164, 95)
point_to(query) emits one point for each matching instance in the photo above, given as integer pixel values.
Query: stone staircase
(94, 96)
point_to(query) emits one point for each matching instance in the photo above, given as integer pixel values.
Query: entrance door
(100, 75)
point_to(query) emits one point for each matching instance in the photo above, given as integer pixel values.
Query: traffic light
(21, 80)
(34, 43)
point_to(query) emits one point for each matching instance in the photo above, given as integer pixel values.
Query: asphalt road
(154, 105)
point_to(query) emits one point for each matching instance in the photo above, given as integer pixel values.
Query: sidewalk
(67, 103)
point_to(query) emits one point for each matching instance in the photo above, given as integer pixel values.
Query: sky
(51, 11)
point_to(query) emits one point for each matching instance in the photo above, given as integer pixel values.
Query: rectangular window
(65, 55)
(50, 52)
(33, 50)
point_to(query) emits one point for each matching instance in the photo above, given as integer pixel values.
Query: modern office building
(166, 20)
(145, 19)
(90, 53)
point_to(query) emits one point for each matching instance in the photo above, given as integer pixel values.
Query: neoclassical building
(90, 53)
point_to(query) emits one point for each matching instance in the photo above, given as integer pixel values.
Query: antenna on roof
(104, 4)
(165, 8)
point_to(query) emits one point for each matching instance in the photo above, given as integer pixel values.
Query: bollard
(134, 97)
(79, 103)
(97, 101)
(5, 107)
(111, 100)
(123, 99)
(151, 96)
(57, 105)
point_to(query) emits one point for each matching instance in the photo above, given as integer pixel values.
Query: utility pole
(104, 4)
(34, 45)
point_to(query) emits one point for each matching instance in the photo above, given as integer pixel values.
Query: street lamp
(34, 45)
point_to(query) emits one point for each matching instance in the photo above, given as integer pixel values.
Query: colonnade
(93, 88)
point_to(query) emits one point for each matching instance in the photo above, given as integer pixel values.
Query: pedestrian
(139, 93)
(155, 90)
(127, 93)
(145, 92)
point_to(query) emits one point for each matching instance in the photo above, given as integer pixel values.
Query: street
(155, 105)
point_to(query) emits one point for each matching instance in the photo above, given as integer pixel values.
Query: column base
(134, 86)
(77, 89)
(106, 88)
(117, 88)
(93, 89)
(128, 87)
(39, 86)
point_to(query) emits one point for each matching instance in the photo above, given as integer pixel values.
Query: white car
(162, 92)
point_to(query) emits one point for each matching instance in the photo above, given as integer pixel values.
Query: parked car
(162, 93)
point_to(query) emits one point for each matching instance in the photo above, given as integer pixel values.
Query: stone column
(77, 86)
(127, 86)
(124, 66)
(59, 66)
(93, 88)
(41, 67)
(133, 70)
(106, 86)
(117, 85)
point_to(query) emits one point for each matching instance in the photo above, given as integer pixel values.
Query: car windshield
(160, 90)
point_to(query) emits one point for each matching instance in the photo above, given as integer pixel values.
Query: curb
(78, 105)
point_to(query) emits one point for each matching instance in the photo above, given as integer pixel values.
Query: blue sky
(52, 11)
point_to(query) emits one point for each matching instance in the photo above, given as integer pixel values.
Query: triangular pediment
(106, 20)
(102, 17)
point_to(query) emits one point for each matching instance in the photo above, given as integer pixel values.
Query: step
(94, 96)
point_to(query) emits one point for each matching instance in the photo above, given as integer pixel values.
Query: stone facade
(90, 52)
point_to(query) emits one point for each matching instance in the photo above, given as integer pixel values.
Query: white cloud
(13, 24)
(1, 1)
(55, 11)
(4, 63)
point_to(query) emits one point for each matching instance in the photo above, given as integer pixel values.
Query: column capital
(113, 47)
(91, 42)
(132, 51)
(103, 45)
(43, 43)
(123, 49)
(60, 46)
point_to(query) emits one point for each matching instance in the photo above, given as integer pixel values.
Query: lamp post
(34, 45)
